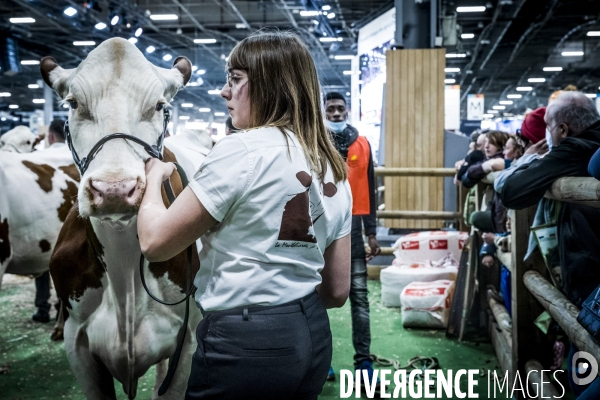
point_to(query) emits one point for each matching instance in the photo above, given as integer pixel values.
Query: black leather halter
(153, 150)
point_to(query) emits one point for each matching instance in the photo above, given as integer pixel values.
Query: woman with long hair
(272, 207)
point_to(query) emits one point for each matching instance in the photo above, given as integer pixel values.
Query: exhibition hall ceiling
(501, 49)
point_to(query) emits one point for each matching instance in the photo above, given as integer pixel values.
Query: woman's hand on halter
(157, 170)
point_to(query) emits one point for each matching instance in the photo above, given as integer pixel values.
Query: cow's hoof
(57, 334)
(41, 316)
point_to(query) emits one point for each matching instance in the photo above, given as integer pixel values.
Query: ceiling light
(30, 62)
(4, 94)
(488, 115)
(524, 89)
(347, 93)
(449, 81)
(330, 39)
(471, 9)
(591, 95)
(498, 107)
(187, 105)
(66, 105)
(194, 68)
(138, 32)
(39, 101)
(114, 20)
(214, 91)
(514, 96)
(219, 114)
(70, 11)
(451, 69)
(571, 53)
(132, 40)
(204, 109)
(15, 118)
(346, 57)
(3, 119)
(184, 117)
(13, 106)
(163, 17)
(150, 49)
(167, 57)
(536, 80)
(100, 26)
(84, 43)
(467, 36)
(205, 41)
(33, 86)
(240, 25)
(326, 8)
(506, 102)
(347, 72)
(552, 69)
(201, 71)
(456, 55)
(192, 84)
(492, 111)
(330, 15)
(593, 33)
(309, 13)
(25, 20)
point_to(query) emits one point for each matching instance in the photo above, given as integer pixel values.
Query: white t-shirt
(275, 221)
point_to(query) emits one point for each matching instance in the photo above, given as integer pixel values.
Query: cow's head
(115, 90)
(19, 139)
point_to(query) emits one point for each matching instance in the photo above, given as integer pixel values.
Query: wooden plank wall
(414, 131)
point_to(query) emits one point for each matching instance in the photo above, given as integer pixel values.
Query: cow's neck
(121, 256)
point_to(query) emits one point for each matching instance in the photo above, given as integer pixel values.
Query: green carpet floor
(33, 367)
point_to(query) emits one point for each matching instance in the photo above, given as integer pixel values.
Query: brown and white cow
(38, 190)
(20, 139)
(114, 328)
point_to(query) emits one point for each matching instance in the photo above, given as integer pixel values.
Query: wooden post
(414, 131)
(528, 342)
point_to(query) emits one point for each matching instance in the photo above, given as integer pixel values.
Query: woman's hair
(284, 92)
(497, 138)
(518, 145)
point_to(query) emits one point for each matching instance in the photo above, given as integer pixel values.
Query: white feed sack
(432, 245)
(396, 277)
(427, 304)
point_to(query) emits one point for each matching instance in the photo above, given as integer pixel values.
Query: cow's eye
(28, 142)
(159, 106)
(72, 104)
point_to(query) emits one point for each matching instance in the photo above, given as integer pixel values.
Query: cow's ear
(55, 76)
(184, 66)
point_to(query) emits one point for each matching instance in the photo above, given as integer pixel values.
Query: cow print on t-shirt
(299, 213)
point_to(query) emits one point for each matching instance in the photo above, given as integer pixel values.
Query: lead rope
(174, 360)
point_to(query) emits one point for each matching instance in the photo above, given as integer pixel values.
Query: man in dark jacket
(357, 153)
(573, 135)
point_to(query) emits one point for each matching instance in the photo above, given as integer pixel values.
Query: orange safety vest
(359, 154)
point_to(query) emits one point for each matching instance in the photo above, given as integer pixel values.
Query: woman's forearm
(151, 209)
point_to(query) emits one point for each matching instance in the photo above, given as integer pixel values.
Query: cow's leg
(161, 371)
(59, 326)
(93, 377)
(42, 294)
(179, 383)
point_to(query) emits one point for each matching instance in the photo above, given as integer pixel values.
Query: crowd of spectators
(560, 140)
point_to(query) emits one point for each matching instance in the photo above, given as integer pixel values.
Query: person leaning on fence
(573, 135)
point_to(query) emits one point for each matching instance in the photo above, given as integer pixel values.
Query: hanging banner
(475, 107)
(452, 107)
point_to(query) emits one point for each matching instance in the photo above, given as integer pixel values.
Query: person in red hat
(534, 128)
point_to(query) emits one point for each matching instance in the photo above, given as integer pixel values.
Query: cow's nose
(127, 191)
